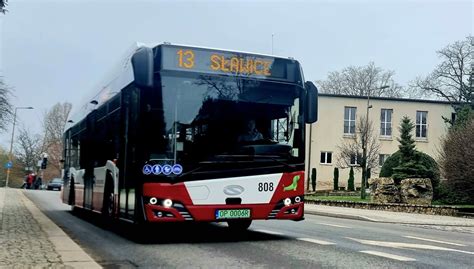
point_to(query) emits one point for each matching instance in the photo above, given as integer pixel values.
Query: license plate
(233, 214)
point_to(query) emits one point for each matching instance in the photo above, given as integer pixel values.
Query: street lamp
(9, 165)
(364, 142)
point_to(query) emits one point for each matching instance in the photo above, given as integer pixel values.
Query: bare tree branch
(28, 148)
(450, 79)
(361, 80)
(5, 105)
(53, 124)
(355, 146)
(3, 5)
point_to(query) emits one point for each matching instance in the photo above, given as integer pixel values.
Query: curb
(362, 218)
(341, 216)
(72, 255)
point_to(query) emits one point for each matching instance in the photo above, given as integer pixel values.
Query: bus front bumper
(207, 213)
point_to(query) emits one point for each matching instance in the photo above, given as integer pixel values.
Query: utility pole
(10, 154)
(365, 139)
(272, 43)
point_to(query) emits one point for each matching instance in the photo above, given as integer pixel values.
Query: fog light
(293, 211)
(159, 214)
(167, 203)
(153, 200)
(287, 201)
(297, 199)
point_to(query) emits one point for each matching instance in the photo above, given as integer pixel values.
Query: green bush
(422, 165)
(350, 181)
(313, 179)
(390, 163)
(336, 179)
(448, 195)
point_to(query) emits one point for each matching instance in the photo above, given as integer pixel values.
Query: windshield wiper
(271, 157)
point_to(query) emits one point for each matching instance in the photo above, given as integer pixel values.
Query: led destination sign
(228, 63)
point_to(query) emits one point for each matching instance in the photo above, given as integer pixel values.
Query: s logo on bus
(233, 190)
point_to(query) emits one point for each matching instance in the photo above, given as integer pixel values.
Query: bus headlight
(153, 200)
(297, 199)
(167, 203)
(287, 202)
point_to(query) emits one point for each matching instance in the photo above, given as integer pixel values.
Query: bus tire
(72, 193)
(239, 225)
(108, 204)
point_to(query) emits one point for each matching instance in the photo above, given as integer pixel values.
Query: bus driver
(251, 133)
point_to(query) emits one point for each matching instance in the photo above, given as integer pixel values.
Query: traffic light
(44, 163)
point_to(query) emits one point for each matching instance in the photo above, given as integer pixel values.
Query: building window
(383, 158)
(355, 159)
(386, 122)
(421, 124)
(326, 157)
(349, 120)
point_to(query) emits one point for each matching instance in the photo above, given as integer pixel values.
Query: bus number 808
(265, 186)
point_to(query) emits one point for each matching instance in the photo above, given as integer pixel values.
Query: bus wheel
(109, 197)
(239, 225)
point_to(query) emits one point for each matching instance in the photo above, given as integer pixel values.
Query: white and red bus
(185, 133)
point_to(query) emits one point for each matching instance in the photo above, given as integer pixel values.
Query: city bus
(183, 133)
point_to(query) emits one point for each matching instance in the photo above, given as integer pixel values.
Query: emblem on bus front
(233, 190)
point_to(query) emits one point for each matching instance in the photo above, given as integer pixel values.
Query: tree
(452, 78)
(360, 151)
(407, 143)
(350, 181)
(54, 123)
(410, 165)
(336, 179)
(3, 4)
(5, 106)
(457, 162)
(464, 116)
(361, 81)
(28, 149)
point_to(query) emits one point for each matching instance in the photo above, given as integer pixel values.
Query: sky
(58, 51)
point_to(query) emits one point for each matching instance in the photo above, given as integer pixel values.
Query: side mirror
(142, 63)
(311, 108)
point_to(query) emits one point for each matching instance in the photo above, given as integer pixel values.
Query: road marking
(333, 225)
(390, 256)
(319, 242)
(267, 232)
(435, 241)
(406, 245)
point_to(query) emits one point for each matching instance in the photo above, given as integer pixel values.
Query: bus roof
(122, 75)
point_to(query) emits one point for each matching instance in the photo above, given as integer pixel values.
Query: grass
(337, 198)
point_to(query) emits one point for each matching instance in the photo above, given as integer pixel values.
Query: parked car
(55, 183)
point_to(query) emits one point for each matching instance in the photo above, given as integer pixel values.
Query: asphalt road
(316, 242)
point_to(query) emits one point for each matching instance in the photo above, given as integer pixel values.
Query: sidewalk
(29, 239)
(387, 216)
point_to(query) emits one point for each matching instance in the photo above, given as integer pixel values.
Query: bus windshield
(206, 119)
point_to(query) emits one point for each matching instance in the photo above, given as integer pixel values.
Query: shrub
(447, 194)
(457, 160)
(423, 165)
(390, 163)
(313, 179)
(350, 181)
(336, 179)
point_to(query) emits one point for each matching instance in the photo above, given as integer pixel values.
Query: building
(337, 124)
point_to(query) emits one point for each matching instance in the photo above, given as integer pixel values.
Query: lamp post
(10, 157)
(365, 139)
